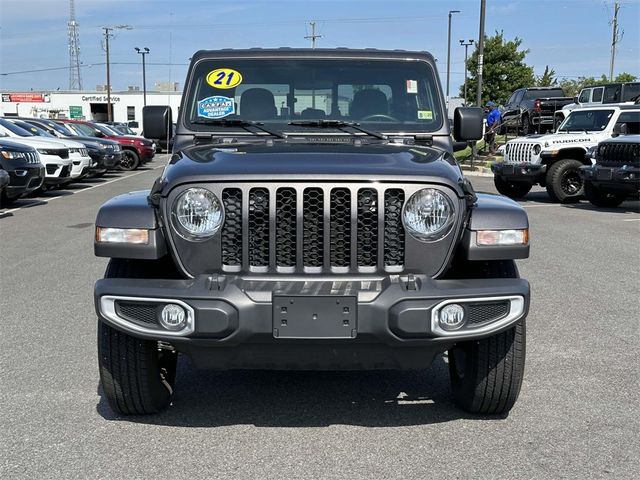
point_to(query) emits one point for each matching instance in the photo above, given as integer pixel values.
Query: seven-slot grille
(313, 229)
(618, 154)
(518, 152)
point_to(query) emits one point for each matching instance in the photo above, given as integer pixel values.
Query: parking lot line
(632, 220)
(541, 205)
(47, 200)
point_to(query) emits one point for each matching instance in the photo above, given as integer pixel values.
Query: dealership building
(125, 106)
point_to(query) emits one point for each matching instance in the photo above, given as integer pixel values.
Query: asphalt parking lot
(577, 416)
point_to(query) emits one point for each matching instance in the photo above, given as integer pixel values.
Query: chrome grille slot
(286, 228)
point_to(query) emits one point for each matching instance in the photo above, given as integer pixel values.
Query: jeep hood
(560, 139)
(312, 161)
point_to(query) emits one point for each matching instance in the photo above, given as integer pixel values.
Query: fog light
(451, 317)
(173, 317)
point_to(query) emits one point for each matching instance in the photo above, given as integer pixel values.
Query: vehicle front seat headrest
(257, 104)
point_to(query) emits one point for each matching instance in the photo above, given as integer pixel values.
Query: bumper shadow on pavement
(384, 398)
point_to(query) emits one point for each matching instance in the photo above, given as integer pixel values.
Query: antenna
(75, 80)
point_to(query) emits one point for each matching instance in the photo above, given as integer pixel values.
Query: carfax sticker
(412, 86)
(425, 115)
(216, 107)
(224, 78)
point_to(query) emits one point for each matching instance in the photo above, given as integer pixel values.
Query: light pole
(107, 34)
(143, 52)
(483, 7)
(451, 12)
(466, 47)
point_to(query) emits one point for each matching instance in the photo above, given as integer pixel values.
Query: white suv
(554, 160)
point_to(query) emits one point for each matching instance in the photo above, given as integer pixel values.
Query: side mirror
(619, 129)
(133, 124)
(156, 121)
(467, 123)
(98, 133)
(575, 100)
(459, 146)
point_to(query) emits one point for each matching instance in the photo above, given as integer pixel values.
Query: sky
(571, 36)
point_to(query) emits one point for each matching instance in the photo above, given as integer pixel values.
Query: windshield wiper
(245, 124)
(340, 125)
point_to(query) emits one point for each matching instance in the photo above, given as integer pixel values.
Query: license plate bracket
(317, 317)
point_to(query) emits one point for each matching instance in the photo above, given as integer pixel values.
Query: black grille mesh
(313, 227)
(259, 227)
(367, 227)
(340, 227)
(286, 227)
(486, 312)
(138, 312)
(615, 154)
(231, 235)
(393, 229)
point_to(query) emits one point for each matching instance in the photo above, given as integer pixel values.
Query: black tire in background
(511, 189)
(563, 181)
(486, 375)
(137, 377)
(129, 161)
(526, 126)
(602, 199)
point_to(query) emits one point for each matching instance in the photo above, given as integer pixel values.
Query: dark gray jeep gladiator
(313, 217)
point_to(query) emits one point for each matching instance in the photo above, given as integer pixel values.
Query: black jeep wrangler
(616, 173)
(312, 216)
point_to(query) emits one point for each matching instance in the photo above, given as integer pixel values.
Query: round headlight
(537, 149)
(197, 214)
(428, 215)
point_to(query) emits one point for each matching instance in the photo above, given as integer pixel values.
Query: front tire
(564, 183)
(602, 199)
(486, 375)
(137, 377)
(511, 189)
(129, 161)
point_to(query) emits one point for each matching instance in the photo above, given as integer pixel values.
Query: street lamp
(451, 12)
(143, 52)
(107, 34)
(466, 47)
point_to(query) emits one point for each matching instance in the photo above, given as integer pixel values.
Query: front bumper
(80, 167)
(104, 160)
(624, 179)
(368, 319)
(24, 180)
(522, 172)
(146, 153)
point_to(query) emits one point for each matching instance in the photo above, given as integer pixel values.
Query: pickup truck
(312, 217)
(531, 109)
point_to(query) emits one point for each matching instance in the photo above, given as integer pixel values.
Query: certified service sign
(216, 107)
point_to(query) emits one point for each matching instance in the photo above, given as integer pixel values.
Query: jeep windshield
(586, 121)
(381, 95)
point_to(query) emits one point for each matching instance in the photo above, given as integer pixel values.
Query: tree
(503, 72)
(547, 79)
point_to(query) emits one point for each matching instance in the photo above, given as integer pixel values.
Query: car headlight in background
(9, 155)
(428, 215)
(537, 149)
(197, 214)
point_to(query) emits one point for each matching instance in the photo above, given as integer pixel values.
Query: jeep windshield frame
(389, 95)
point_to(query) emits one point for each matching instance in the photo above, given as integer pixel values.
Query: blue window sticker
(216, 107)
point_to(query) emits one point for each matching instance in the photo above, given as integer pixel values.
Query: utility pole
(483, 7)
(107, 34)
(143, 52)
(451, 12)
(466, 47)
(313, 35)
(616, 38)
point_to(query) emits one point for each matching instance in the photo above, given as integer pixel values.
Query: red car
(135, 151)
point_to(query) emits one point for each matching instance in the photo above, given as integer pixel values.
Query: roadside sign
(75, 112)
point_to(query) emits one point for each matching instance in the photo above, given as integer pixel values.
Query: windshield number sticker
(216, 107)
(425, 115)
(412, 86)
(224, 78)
